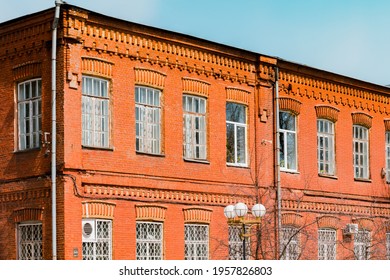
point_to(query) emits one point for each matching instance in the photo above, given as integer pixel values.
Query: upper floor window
(148, 120)
(388, 156)
(196, 238)
(290, 247)
(30, 241)
(327, 244)
(362, 244)
(149, 239)
(360, 152)
(288, 141)
(95, 113)
(194, 127)
(236, 134)
(325, 147)
(388, 245)
(97, 239)
(29, 114)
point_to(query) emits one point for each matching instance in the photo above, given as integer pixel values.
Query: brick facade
(119, 184)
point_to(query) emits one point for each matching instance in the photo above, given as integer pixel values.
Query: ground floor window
(149, 237)
(362, 245)
(97, 239)
(326, 244)
(236, 244)
(290, 243)
(196, 239)
(29, 241)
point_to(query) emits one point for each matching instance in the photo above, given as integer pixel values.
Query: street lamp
(236, 216)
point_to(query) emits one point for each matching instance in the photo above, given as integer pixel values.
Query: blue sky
(348, 37)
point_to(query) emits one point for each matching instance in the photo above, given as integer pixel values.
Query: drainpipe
(54, 130)
(277, 165)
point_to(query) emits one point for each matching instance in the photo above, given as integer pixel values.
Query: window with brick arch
(236, 134)
(325, 147)
(95, 113)
(148, 120)
(360, 152)
(327, 244)
(29, 241)
(194, 128)
(29, 114)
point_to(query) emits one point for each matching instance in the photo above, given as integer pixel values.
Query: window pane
(241, 138)
(230, 143)
(286, 121)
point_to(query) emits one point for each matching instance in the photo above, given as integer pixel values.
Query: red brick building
(158, 131)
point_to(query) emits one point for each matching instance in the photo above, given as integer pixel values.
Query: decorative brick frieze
(328, 222)
(327, 112)
(237, 95)
(31, 69)
(24, 195)
(149, 77)
(290, 104)
(28, 214)
(150, 212)
(195, 86)
(292, 219)
(97, 66)
(362, 119)
(197, 215)
(98, 209)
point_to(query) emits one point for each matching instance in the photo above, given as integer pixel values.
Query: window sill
(289, 171)
(149, 154)
(196, 160)
(27, 150)
(328, 176)
(97, 148)
(237, 165)
(363, 180)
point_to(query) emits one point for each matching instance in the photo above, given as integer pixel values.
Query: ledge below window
(237, 165)
(27, 150)
(149, 154)
(363, 180)
(328, 176)
(196, 160)
(110, 149)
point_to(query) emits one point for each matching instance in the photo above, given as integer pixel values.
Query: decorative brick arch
(98, 209)
(387, 124)
(150, 212)
(237, 95)
(290, 104)
(195, 86)
(328, 222)
(97, 66)
(364, 223)
(327, 112)
(362, 119)
(28, 214)
(197, 215)
(149, 77)
(292, 219)
(28, 70)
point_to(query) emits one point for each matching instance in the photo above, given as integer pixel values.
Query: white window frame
(30, 246)
(362, 244)
(95, 112)
(148, 120)
(194, 127)
(361, 152)
(327, 239)
(146, 246)
(286, 151)
(196, 242)
(290, 243)
(236, 126)
(387, 155)
(326, 147)
(29, 97)
(100, 248)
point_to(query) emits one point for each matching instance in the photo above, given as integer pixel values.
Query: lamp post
(236, 216)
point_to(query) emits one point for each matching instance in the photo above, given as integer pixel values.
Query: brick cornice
(23, 195)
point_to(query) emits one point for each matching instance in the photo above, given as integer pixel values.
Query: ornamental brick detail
(364, 223)
(148, 77)
(98, 209)
(28, 214)
(292, 219)
(387, 124)
(237, 95)
(150, 212)
(31, 69)
(362, 119)
(97, 66)
(328, 222)
(197, 215)
(327, 112)
(195, 86)
(290, 104)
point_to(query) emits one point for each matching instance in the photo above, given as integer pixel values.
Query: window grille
(362, 245)
(326, 244)
(325, 147)
(388, 156)
(29, 114)
(148, 120)
(149, 240)
(360, 152)
(236, 134)
(194, 127)
(388, 245)
(95, 113)
(287, 141)
(30, 241)
(196, 239)
(236, 244)
(290, 246)
(101, 247)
